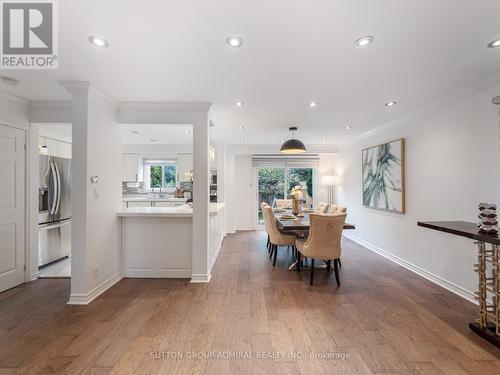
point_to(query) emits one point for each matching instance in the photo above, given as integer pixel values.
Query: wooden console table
(488, 270)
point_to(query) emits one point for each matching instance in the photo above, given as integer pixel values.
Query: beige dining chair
(283, 203)
(322, 208)
(276, 237)
(335, 210)
(323, 242)
(262, 206)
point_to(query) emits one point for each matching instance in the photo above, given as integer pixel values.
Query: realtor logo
(29, 34)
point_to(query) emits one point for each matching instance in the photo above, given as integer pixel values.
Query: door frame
(30, 197)
(255, 224)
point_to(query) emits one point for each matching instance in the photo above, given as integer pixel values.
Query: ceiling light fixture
(312, 104)
(348, 127)
(99, 42)
(234, 41)
(187, 131)
(239, 103)
(134, 132)
(324, 140)
(240, 127)
(9, 81)
(242, 140)
(364, 41)
(494, 43)
(293, 146)
(390, 104)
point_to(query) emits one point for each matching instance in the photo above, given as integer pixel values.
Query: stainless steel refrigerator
(54, 209)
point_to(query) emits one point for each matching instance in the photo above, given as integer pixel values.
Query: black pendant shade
(293, 146)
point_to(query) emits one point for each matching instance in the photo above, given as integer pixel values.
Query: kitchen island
(157, 241)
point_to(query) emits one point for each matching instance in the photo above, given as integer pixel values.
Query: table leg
(488, 294)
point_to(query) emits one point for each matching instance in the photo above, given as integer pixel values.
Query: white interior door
(12, 212)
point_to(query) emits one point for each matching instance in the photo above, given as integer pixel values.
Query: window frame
(162, 164)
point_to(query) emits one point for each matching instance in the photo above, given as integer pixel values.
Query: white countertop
(179, 211)
(152, 199)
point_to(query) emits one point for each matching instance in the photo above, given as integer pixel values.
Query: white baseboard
(448, 285)
(200, 278)
(243, 228)
(216, 255)
(34, 276)
(86, 298)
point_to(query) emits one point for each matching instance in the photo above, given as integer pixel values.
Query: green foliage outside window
(167, 173)
(155, 176)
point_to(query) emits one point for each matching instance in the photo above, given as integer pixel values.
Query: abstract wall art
(383, 176)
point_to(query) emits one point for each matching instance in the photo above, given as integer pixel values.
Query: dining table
(298, 223)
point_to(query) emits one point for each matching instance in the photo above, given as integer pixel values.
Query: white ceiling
(294, 51)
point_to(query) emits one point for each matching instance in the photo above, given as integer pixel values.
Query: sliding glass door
(276, 183)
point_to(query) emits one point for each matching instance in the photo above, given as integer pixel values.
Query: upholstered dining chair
(266, 225)
(322, 208)
(276, 237)
(283, 203)
(335, 210)
(323, 242)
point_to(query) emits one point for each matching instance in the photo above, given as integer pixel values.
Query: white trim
(448, 285)
(439, 102)
(162, 273)
(200, 278)
(85, 299)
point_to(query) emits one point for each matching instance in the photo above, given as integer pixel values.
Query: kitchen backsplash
(132, 187)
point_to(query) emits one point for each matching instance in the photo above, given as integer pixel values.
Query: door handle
(49, 226)
(54, 194)
(58, 201)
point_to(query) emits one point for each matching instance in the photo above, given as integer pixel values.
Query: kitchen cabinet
(131, 167)
(55, 147)
(184, 165)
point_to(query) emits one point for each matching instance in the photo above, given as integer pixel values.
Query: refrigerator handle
(58, 200)
(55, 193)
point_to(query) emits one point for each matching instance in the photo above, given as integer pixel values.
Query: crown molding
(481, 85)
(190, 107)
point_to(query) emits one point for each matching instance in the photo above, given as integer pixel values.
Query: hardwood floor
(385, 318)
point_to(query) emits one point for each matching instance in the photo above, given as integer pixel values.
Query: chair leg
(340, 264)
(336, 269)
(298, 261)
(312, 271)
(271, 249)
(275, 254)
(328, 265)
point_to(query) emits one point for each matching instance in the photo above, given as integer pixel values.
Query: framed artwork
(383, 176)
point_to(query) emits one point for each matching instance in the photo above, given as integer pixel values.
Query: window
(160, 174)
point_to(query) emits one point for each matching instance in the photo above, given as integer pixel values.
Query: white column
(201, 168)
(79, 96)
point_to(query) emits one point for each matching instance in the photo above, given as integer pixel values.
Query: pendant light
(293, 146)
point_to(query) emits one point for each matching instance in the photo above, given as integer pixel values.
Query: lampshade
(293, 146)
(329, 180)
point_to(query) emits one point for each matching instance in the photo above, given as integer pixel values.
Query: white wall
(241, 203)
(104, 159)
(451, 166)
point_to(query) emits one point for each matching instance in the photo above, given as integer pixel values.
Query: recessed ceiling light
(153, 140)
(348, 127)
(9, 81)
(99, 42)
(242, 140)
(239, 103)
(187, 131)
(134, 132)
(240, 127)
(324, 140)
(364, 41)
(234, 41)
(390, 104)
(282, 140)
(494, 43)
(312, 104)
